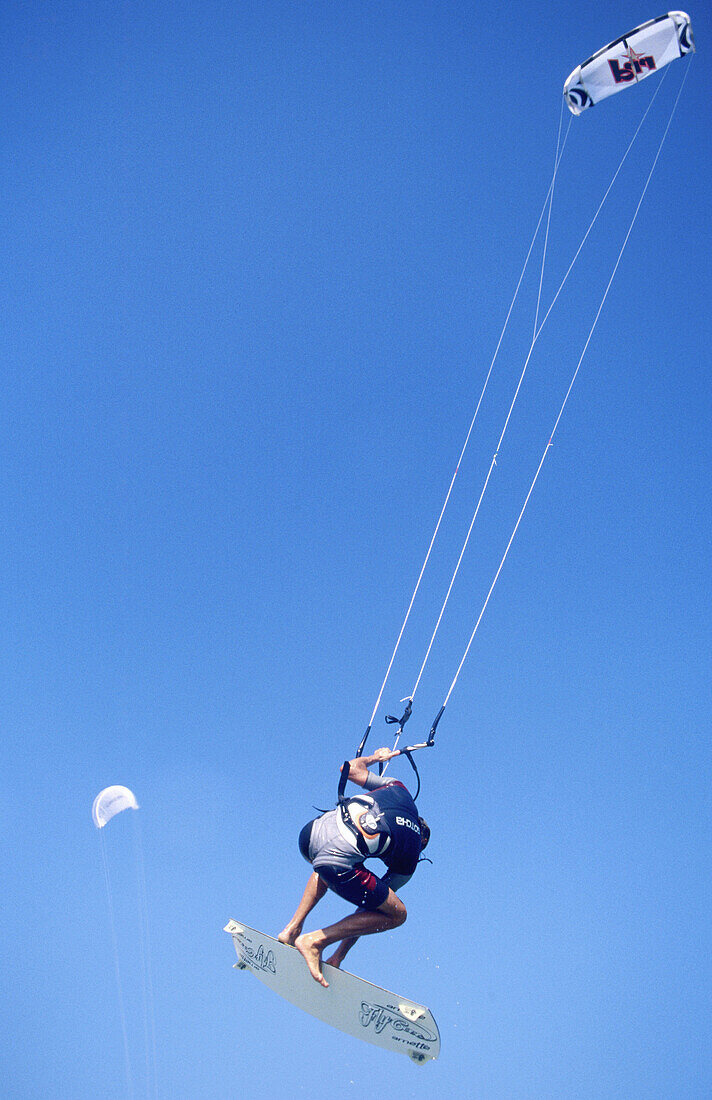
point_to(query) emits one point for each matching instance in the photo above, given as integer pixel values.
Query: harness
(363, 823)
(375, 826)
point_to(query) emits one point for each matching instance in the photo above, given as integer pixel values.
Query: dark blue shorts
(356, 885)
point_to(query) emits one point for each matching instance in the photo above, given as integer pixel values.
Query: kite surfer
(383, 824)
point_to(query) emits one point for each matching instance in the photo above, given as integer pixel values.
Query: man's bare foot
(289, 934)
(307, 947)
(335, 960)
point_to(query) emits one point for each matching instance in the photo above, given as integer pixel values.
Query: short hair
(424, 832)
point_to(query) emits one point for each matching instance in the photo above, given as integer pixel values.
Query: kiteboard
(350, 1004)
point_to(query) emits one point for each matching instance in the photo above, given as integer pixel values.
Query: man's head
(424, 833)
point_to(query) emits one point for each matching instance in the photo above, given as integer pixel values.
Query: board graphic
(350, 1004)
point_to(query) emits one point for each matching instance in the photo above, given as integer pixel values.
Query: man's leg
(345, 946)
(314, 892)
(365, 922)
(342, 951)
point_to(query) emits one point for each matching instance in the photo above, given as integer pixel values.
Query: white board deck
(350, 1004)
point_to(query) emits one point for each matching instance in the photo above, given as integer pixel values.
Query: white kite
(629, 59)
(111, 801)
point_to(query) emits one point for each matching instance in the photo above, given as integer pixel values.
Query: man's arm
(358, 768)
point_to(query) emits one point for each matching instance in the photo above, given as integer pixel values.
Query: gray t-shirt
(331, 843)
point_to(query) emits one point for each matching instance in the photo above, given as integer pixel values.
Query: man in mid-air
(383, 824)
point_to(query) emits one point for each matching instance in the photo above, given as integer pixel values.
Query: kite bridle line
(573, 378)
(401, 722)
(537, 332)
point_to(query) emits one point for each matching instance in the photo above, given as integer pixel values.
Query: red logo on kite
(633, 66)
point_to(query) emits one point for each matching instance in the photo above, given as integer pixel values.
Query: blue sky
(256, 262)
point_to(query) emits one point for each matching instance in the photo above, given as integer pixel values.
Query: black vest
(396, 814)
